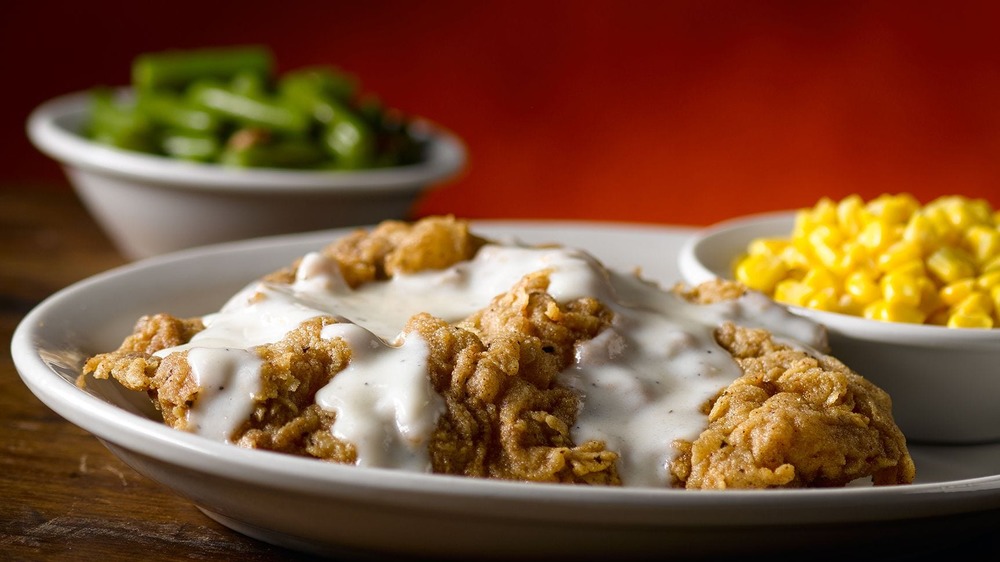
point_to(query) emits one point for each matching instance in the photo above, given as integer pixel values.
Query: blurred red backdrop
(682, 112)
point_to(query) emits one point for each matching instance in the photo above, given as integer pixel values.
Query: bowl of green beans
(211, 145)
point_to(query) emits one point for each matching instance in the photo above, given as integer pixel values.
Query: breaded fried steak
(421, 346)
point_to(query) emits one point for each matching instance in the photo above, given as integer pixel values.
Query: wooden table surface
(63, 496)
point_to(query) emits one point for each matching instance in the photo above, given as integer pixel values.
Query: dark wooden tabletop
(63, 496)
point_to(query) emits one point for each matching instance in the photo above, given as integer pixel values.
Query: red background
(683, 112)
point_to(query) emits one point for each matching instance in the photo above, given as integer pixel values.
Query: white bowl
(944, 382)
(331, 509)
(150, 204)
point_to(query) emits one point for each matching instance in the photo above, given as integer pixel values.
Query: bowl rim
(52, 127)
(694, 269)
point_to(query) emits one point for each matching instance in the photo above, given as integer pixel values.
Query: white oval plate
(332, 509)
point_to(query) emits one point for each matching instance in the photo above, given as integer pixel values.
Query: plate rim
(640, 505)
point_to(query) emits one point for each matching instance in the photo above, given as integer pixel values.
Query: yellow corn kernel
(973, 320)
(894, 209)
(767, 246)
(825, 234)
(826, 255)
(852, 257)
(920, 230)
(991, 265)
(760, 272)
(794, 259)
(930, 300)
(824, 299)
(825, 211)
(900, 289)
(983, 243)
(851, 214)
(791, 292)
(954, 293)
(977, 302)
(913, 268)
(889, 312)
(818, 278)
(862, 288)
(960, 214)
(982, 210)
(995, 298)
(951, 264)
(988, 280)
(876, 236)
(898, 254)
(939, 218)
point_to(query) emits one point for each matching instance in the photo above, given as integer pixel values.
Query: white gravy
(642, 381)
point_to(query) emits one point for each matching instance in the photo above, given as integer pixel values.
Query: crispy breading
(795, 418)
(506, 417)
(133, 364)
(396, 247)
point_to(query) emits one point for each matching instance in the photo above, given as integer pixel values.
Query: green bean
(347, 137)
(327, 81)
(118, 124)
(287, 153)
(350, 141)
(323, 95)
(307, 97)
(247, 110)
(191, 146)
(170, 111)
(226, 105)
(176, 69)
(250, 84)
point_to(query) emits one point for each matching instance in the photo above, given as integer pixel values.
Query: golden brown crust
(792, 420)
(396, 247)
(506, 417)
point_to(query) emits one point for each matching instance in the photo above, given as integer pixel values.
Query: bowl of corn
(909, 293)
(212, 145)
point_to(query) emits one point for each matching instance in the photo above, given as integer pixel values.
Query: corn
(983, 242)
(900, 288)
(824, 299)
(760, 272)
(791, 292)
(974, 320)
(995, 298)
(767, 246)
(988, 280)
(851, 215)
(889, 259)
(930, 300)
(951, 264)
(976, 304)
(992, 264)
(862, 288)
(898, 254)
(892, 312)
(954, 293)
(876, 236)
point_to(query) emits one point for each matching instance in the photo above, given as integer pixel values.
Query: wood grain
(63, 495)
